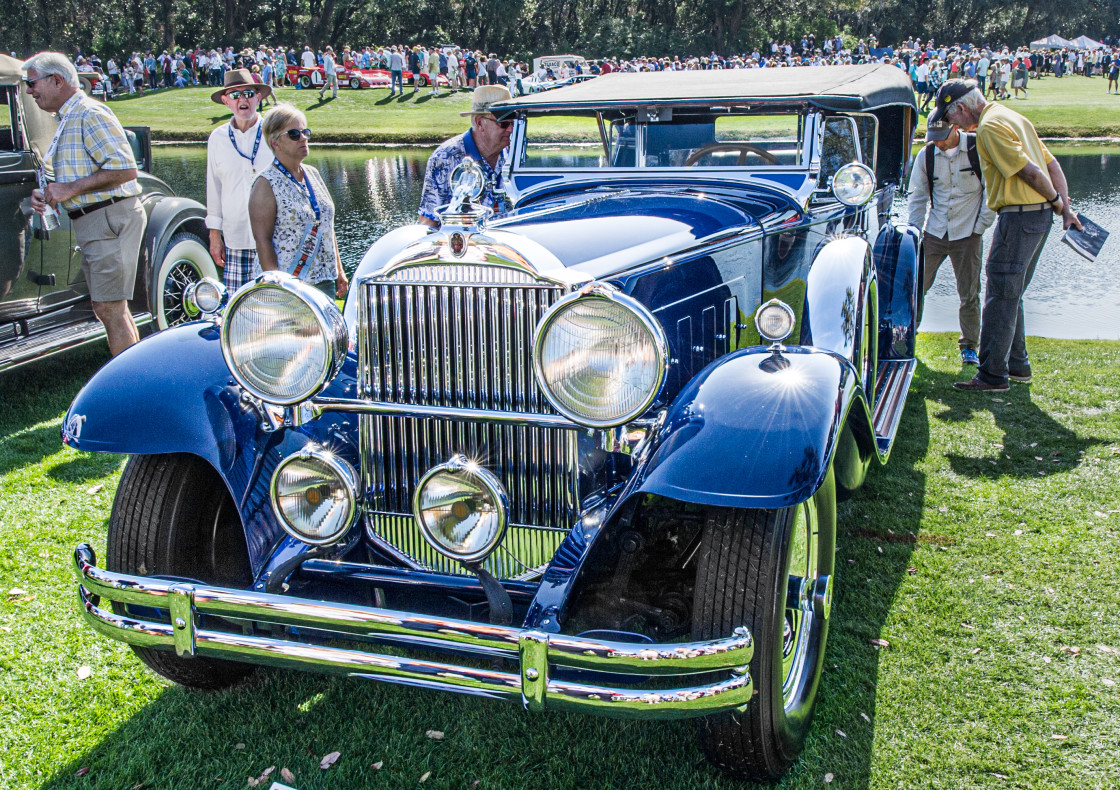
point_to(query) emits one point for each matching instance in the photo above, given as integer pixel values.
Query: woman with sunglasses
(291, 212)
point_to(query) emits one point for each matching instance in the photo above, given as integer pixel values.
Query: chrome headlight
(461, 509)
(315, 495)
(853, 184)
(205, 297)
(774, 321)
(600, 357)
(283, 339)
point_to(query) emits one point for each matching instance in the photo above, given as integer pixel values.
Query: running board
(891, 388)
(28, 348)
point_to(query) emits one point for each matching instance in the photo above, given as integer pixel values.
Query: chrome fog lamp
(774, 321)
(461, 509)
(205, 297)
(283, 339)
(600, 357)
(853, 184)
(315, 495)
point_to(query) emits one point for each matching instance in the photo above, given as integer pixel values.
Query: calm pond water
(378, 189)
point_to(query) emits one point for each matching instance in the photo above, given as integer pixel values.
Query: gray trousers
(1016, 245)
(965, 255)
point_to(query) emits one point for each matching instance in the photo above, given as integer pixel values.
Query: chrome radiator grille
(460, 335)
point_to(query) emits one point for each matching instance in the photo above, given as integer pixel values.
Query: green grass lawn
(1067, 107)
(983, 555)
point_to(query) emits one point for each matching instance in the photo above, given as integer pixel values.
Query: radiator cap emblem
(458, 244)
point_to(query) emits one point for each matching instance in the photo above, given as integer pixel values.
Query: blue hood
(610, 233)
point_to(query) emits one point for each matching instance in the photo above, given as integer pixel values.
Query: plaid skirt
(241, 266)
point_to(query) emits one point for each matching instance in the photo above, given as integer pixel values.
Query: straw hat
(240, 78)
(485, 97)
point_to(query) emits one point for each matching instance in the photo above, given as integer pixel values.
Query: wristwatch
(1061, 204)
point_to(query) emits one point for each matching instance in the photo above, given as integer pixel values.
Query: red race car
(422, 78)
(355, 78)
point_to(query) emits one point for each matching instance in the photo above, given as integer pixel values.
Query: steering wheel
(742, 148)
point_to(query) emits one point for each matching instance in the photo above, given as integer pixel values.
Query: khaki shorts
(110, 240)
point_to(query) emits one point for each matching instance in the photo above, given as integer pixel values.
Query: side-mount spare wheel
(185, 261)
(173, 516)
(771, 571)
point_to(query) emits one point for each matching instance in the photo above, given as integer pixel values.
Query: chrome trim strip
(534, 651)
(320, 405)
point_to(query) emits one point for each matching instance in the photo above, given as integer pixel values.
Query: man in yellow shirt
(1025, 184)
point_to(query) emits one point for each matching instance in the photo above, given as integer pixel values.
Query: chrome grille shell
(460, 335)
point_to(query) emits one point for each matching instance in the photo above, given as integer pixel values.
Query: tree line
(523, 28)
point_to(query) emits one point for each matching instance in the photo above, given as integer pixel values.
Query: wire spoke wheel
(186, 261)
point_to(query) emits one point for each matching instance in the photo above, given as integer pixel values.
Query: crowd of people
(1001, 71)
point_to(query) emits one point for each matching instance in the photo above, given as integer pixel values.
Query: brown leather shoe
(977, 384)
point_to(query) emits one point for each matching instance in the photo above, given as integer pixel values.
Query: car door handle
(40, 279)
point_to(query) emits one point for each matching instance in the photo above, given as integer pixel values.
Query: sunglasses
(503, 124)
(248, 93)
(31, 83)
(295, 134)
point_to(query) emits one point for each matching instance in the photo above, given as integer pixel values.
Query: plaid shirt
(90, 138)
(437, 176)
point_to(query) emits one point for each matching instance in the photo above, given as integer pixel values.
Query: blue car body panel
(753, 430)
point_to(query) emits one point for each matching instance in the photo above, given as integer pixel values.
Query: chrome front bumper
(534, 652)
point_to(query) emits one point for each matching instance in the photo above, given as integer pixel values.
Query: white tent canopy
(1051, 42)
(1084, 42)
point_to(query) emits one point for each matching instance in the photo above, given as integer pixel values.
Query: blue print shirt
(437, 176)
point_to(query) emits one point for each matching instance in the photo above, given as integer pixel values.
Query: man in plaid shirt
(95, 183)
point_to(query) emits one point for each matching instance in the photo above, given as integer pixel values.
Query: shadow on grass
(41, 392)
(1034, 443)
(877, 531)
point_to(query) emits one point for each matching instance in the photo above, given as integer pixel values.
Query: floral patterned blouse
(294, 217)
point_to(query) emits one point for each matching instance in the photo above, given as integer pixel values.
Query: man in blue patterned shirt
(486, 142)
(95, 183)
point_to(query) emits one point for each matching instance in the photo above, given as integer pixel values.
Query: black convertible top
(850, 88)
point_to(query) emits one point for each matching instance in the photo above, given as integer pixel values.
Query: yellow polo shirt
(1006, 141)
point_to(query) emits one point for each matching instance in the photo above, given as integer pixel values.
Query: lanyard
(256, 143)
(310, 243)
(305, 187)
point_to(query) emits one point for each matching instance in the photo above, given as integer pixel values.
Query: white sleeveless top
(294, 216)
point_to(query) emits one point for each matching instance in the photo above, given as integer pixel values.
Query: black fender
(899, 263)
(752, 430)
(167, 215)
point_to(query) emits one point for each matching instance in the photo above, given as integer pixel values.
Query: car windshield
(716, 138)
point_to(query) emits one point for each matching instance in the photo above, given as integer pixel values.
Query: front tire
(186, 261)
(750, 564)
(173, 516)
(355, 83)
(304, 81)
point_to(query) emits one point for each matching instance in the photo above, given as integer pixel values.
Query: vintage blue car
(584, 455)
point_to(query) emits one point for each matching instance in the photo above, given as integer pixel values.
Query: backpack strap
(969, 142)
(928, 152)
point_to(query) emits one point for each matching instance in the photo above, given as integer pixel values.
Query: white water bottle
(50, 218)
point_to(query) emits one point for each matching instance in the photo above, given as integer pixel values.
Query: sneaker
(968, 357)
(1025, 378)
(977, 384)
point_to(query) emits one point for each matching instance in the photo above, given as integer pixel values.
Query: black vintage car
(590, 450)
(44, 300)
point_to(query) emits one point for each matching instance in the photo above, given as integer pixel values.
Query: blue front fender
(171, 393)
(752, 430)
